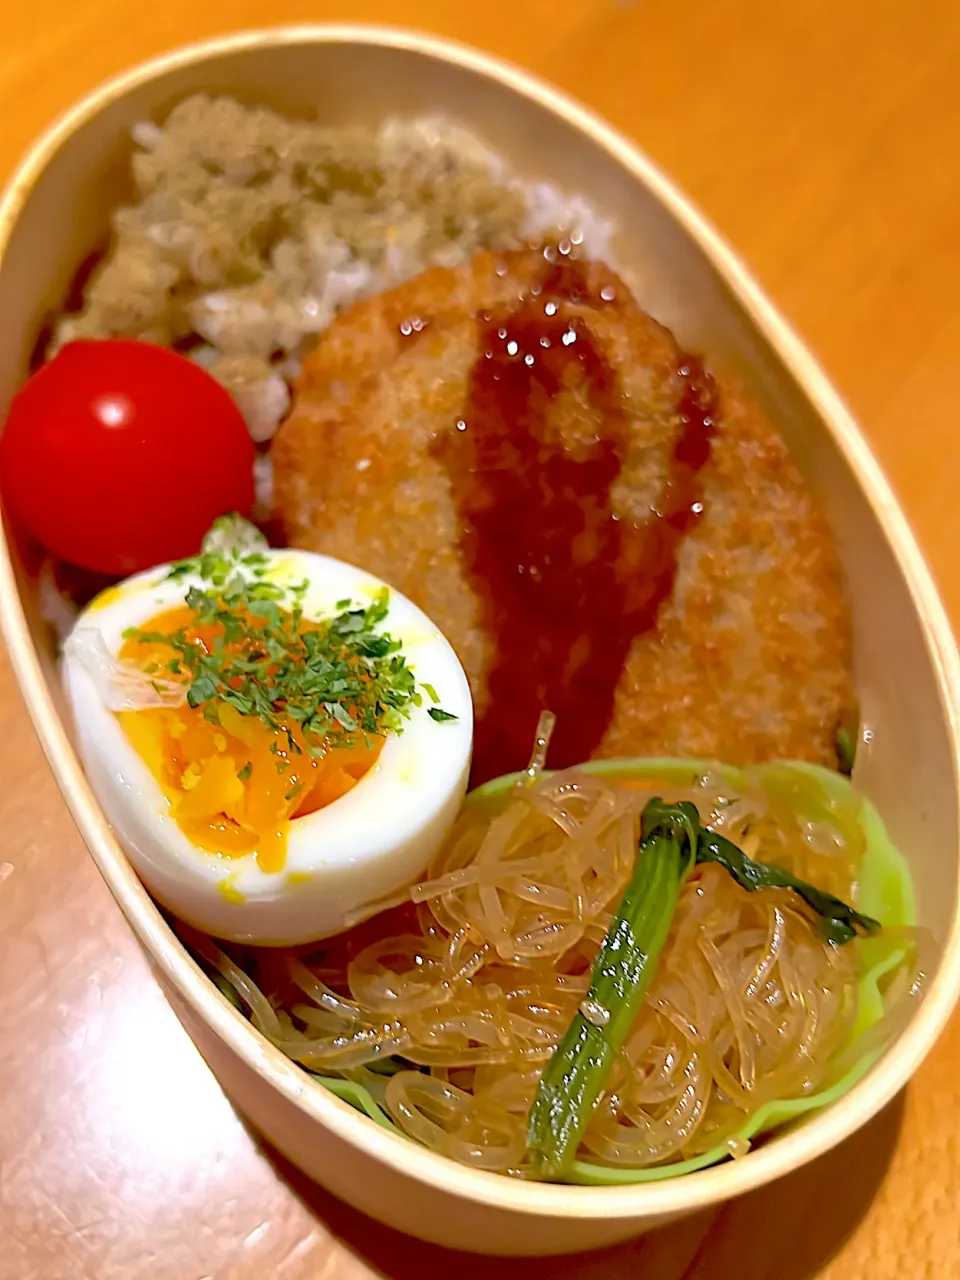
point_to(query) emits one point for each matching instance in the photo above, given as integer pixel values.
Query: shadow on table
(787, 1231)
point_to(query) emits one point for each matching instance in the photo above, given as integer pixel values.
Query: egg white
(342, 859)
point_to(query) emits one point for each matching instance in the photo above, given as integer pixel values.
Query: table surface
(820, 136)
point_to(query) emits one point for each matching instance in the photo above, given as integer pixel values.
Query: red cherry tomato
(119, 455)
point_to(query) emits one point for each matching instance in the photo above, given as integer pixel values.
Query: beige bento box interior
(907, 767)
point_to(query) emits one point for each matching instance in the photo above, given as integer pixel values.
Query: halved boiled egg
(279, 741)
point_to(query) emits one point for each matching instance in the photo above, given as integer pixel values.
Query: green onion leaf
(838, 922)
(672, 842)
(846, 750)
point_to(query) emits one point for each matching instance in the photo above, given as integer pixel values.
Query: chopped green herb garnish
(244, 773)
(430, 691)
(341, 675)
(231, 544)
(438, 714)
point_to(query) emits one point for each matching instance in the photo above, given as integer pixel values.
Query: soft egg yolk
(234, 786)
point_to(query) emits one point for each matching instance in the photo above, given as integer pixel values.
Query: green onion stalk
(672, 842)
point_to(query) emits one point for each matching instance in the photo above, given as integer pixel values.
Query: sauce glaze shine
(565, 584)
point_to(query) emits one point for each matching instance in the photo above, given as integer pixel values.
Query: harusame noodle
(447, 1007)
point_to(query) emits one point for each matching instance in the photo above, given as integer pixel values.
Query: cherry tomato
(119, 455)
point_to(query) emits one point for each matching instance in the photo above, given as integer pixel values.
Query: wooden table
(821, 136)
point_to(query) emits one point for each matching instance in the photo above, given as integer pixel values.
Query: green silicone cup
(885, 891)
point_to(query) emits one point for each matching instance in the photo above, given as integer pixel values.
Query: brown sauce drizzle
(565, 585)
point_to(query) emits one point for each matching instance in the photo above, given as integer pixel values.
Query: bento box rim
(670, 1197)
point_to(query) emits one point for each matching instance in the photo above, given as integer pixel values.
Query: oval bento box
(55, 211)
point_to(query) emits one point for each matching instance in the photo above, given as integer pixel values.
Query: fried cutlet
(748, 657)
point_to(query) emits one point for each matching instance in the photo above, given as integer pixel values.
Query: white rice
(242, 248)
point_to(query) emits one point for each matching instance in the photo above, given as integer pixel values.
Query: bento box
(55, 212)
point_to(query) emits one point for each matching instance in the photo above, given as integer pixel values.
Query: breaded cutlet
(749, 658)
